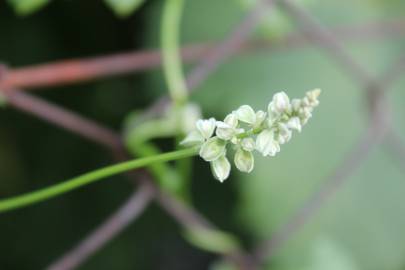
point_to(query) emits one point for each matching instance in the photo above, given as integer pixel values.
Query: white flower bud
(313, 97)
(212, 149)
(194, 138)
(296, 104)
(246, 114)
(221, 168)
(231, 120)
(244, 160)
(305, 113)
(266, 144)
(248, 144)
(281, 102)
(225, 131)
(294, 123)
(305, 102)
(206, 127)
(271, 119)
(260, 117)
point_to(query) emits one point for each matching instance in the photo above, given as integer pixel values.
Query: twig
(105, 232)
(63, 118)
(232, 43)
(185, 215)
(80, 70)
(73, 71)
(234, 40)
(321, 36)
(218, 54)
(108, 138)
(100, 68)
(396, 147)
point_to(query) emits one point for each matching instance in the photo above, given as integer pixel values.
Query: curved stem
(171, 52)
(74, 183)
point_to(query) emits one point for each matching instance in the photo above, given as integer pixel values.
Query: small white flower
(213, 149)
(221, 168)
(266, 144)
(284, 133)
(244, 160)
(305, 102)
(193, 138)
(225, 131)
(313, 97)
(246, 114)
(294, 123)
(248, 144)
(231, 120)
(281, 103)
(305, 113)
(206, 127)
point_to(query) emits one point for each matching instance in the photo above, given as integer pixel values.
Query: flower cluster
(248, 130)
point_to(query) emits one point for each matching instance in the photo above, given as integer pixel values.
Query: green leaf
(124, 8)
(25, 7)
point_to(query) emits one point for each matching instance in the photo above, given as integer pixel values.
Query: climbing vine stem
(170, 29)
(85, 179)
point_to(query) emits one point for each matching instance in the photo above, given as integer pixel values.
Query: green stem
(250, 132)
(74, 183)
(170, 49)
(184, 169)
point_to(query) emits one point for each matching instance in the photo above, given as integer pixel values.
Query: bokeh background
(362, 227)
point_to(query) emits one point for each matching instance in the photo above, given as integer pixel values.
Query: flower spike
(248, 130)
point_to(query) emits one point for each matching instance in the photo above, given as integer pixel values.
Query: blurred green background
(363, 227)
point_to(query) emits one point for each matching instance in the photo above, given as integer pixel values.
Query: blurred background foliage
(363, 227)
